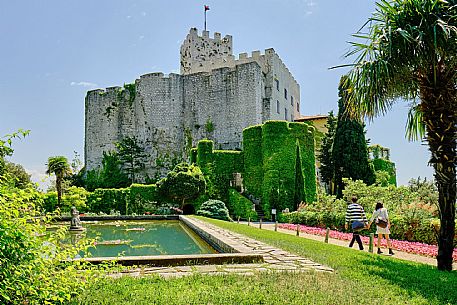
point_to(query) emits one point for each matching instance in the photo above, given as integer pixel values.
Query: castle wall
(101, 125)
(165, 110)
(216, 96)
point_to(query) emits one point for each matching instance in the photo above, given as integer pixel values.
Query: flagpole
(205, 19)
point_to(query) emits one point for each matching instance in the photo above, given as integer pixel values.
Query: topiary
(214, 209)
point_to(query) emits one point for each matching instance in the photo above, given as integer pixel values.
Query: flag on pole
(206, 8)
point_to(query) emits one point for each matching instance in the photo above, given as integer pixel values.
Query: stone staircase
(259, 211)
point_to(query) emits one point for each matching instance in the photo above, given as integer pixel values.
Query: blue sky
(54, 51)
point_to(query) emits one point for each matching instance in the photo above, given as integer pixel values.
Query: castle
(215, 96)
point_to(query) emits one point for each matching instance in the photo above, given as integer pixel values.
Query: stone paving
(274, 259)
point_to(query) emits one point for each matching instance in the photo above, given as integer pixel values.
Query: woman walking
(382, 225)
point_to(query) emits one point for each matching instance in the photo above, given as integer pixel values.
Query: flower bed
(401, 245)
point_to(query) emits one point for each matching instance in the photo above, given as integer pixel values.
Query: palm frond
(415, 127)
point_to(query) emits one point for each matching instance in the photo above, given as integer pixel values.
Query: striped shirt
(355, 212)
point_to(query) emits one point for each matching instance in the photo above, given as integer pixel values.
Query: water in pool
(127, 238)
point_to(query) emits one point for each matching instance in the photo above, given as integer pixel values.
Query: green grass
(359, 278)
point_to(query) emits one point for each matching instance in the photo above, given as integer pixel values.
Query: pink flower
(401, 245)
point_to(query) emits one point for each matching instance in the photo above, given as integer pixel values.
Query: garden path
(275, 259)
(398, 254)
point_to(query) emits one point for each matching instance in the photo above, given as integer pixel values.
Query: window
(291, 100)
(285, 114)
(298, 107)
(277, 107)
(285, 93)
(277, 84)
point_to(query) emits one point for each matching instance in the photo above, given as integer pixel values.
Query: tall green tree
(59, 166)
(350, 150)
(299, 194)
(327, 167)
(132, 156)
(409, 51)
(18, 175)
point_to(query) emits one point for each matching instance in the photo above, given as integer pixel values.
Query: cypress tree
(350, 151)
(327, 167)
(299, 195)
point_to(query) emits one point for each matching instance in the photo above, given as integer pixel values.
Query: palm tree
(59, 166)
(410, 52)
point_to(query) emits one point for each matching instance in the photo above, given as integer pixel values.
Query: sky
(52, 52)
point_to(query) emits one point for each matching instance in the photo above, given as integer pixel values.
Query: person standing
(355, 213)
(382, 226)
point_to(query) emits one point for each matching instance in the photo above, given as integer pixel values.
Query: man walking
(355, 216)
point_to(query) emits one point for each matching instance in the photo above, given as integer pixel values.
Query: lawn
(359, 278)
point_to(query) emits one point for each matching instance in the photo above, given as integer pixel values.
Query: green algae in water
(164, 237)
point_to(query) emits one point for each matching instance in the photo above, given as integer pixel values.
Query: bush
(183, 182)
(73, 196)
(240, 206)
(31, 268)
(333, 220)
(214, 209)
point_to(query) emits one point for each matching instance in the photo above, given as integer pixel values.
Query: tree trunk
(59, 189)
(439, 114)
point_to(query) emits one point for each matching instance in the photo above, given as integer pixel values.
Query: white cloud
(141, 37)
(129, 17)
(143, 14)
(83, 84)
(38, 175)
(310, 6)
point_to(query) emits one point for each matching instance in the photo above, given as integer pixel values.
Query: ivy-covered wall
(387, 166)
(253, 160)
(218, 166)
(268, 164)
(279, 147)
(380, 158)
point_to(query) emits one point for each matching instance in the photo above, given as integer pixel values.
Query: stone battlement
(169, 112)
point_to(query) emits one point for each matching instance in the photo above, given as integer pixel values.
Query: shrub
(214, 209)
(183, 182)
(74, 196)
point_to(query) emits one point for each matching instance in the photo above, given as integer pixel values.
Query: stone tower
(215, 96)
(198, 53)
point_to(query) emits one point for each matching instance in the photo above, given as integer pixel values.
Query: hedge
(401, 228)
(108, 200)
(142, 198)
(136, 199)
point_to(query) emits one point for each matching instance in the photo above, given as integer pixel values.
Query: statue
(75, 224)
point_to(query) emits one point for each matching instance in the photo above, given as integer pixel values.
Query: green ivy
(209, 126)
(240, 206)
(218, 167)
(253, 160)
(387, 166)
